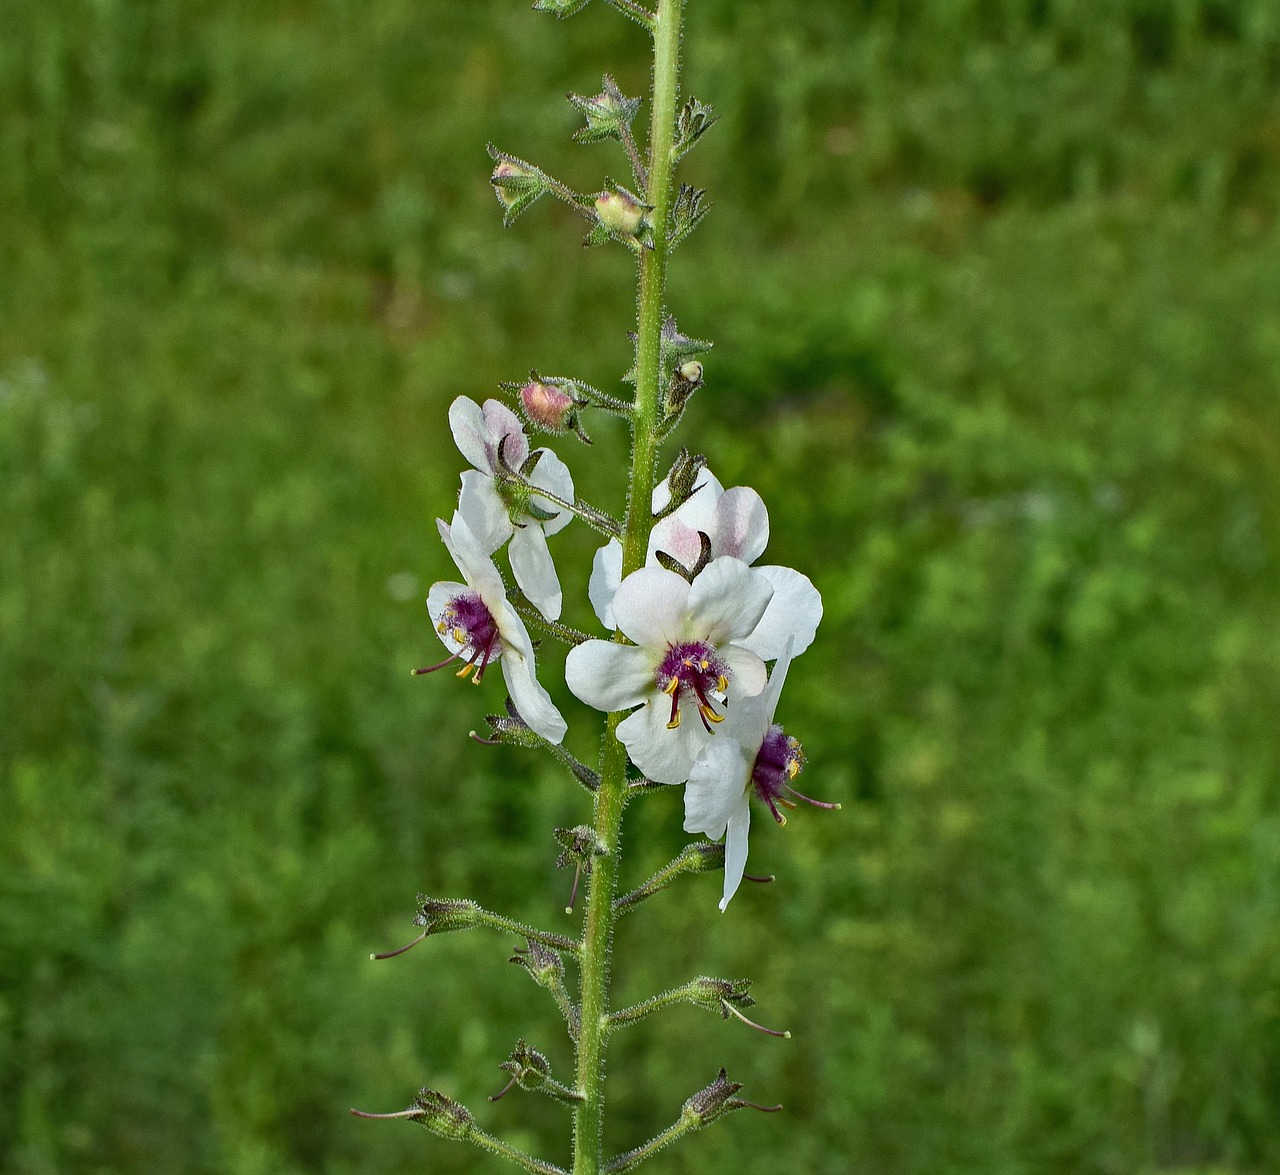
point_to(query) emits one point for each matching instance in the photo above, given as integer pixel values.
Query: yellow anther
(793, 768)
(467, 668)
(440, 628)
(722, 684)
(670, 688)
(674, 722)
(709, 714)
(459, 636)
(704, 665)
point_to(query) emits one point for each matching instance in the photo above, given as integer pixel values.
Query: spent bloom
(752, 755)
(736, 523)
(476, 622)
(499, 499)
(689, 664)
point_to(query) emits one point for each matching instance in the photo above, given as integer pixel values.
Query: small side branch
(699, 1111)
(445, 915)
(451, 1119)
(637, 12)
(699, 857)
(562, 632)
(713, 995)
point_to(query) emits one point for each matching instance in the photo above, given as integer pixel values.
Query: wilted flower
(475, 621)
(752, 754)
(688, 659)
(499, 499)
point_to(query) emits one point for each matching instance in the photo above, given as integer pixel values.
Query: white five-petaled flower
(736, 523)
(689, 665)
(475, 620)
(493, 440)
(751, 754)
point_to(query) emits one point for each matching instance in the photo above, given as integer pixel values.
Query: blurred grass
(993, 287)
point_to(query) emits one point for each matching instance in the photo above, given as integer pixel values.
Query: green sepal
(609, 114)
(693, 121)
(560, 8)
(687, 212)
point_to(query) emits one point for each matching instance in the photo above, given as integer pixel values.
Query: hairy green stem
(612, 795)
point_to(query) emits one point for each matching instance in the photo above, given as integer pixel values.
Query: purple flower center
(778, 762)
(467, 621)
(693, 671)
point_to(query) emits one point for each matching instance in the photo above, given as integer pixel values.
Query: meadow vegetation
(993, 286)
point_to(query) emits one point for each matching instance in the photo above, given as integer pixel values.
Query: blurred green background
(995, 290)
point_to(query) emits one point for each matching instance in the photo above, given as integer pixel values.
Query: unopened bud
(619, 213)
(690, 372)
(547, 407)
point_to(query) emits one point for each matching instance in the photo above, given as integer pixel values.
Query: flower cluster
(701, 621)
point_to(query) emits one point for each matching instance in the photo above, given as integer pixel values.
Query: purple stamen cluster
(693, 670)
(778, 762)
(467, 619)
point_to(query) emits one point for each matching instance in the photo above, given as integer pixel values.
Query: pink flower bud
(619, 213)
(547, 407)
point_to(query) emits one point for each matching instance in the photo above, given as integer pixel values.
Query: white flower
(751, 753)
(493, 440)
(736, 523)
(688, 658)
(474, 619)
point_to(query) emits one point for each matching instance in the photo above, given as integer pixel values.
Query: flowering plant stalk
(684, 675)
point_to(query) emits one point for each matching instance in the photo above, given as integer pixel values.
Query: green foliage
(992, 285)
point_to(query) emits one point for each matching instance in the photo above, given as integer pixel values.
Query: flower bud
(547, 407)
(620, 213)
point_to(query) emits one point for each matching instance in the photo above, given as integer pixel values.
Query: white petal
(500, 422)
(777, 679)
(794, 611)
(534, 571)
(532, 702)
(609, 676)
(474, 563)
(747, 675)
(716, 786)
(735, 850)
(664, 755)
(606, 574)
(483, 512)
(466, 422)
(679, 540)
(437, 600)
(740, 526)
(553, 474)
(726, 600)
(650, 606)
